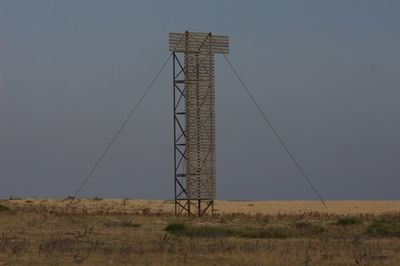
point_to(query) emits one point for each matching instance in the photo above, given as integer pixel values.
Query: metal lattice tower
(194, 120)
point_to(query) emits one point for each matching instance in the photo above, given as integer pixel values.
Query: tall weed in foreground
(223, 231)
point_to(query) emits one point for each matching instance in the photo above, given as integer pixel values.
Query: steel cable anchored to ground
(277, 135)
(264, 116)
(118, 132)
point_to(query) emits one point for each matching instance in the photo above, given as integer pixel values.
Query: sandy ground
(296, 207)
(222, 207)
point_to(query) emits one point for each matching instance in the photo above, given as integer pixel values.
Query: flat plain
(145, 232)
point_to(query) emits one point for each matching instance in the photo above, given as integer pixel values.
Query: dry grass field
(141, 232)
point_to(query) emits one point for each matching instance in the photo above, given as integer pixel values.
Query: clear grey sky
(326, 72)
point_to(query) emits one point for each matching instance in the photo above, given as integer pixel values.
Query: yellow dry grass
(222, 207)
(297, 207)
(134, 232)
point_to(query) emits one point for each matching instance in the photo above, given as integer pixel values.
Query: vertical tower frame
(194, 120)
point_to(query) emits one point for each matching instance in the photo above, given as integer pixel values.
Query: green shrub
(348, 221)
(209, 231)
(384, 229)
(199, 231)
(175, 227)
(221, 231)
(4, 208)
(272, 232)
